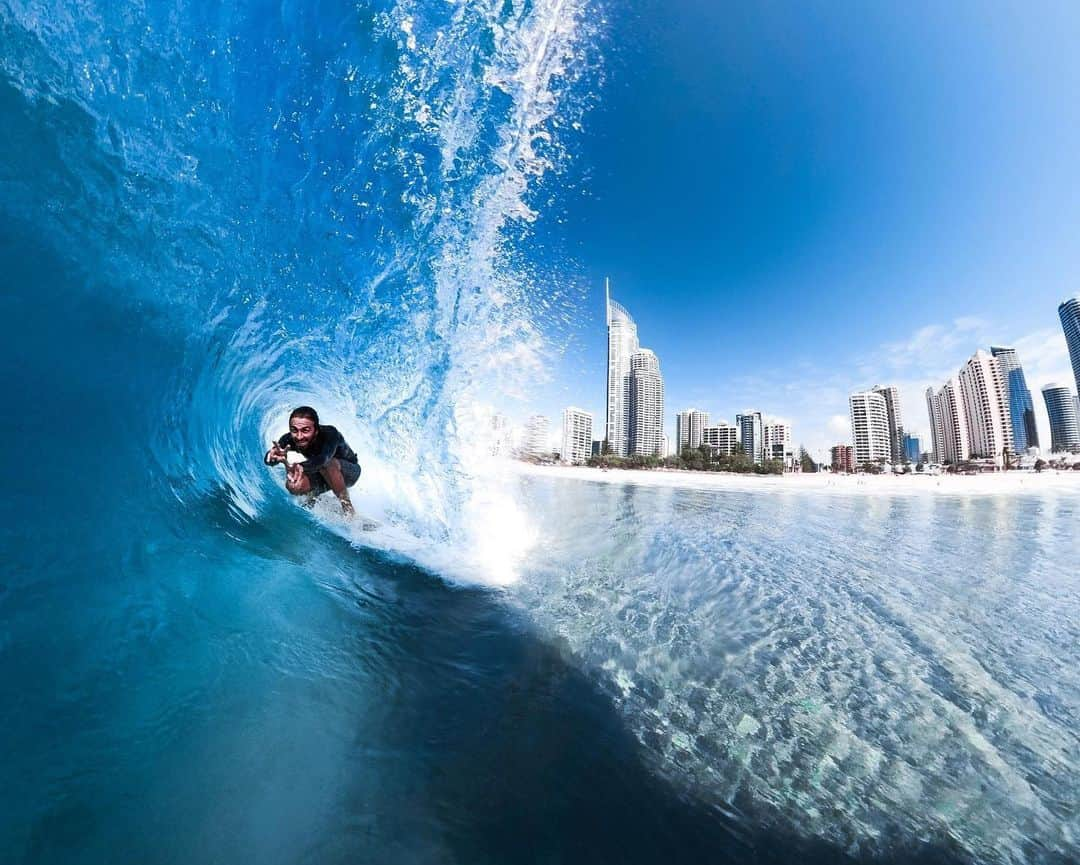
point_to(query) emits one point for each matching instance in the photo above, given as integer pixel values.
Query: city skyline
(1047, 347)
(797, 229)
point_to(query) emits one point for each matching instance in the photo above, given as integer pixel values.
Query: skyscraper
(957, 441)
(937, 426)
(577, 427)
(986, 403)
(912, 448)
(869, 427)
(1021, 409)
(751, 435)
(646, 405)
(622, 343)
(1069, 312)
(689, 428)
(1062, 408)
(896, 423)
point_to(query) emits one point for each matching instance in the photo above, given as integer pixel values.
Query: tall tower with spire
(622, 344)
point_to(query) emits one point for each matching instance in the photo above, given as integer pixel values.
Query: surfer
(330, 463)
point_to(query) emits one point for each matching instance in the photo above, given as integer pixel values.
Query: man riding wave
(330, 463)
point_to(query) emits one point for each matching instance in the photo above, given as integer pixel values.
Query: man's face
(303, 430)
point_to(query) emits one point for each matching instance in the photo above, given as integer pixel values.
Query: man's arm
(276, 454)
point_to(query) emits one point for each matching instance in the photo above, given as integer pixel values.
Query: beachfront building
(986, 403)
(646, 424)
(869, 427)
(535, 442)
(1069, 312)
(1018, 397)
(577, 425)
(1063, 410)
(954, 415)
(912, 448)
(937, 426)
(776, 444)
(843, 458)
(723, 438)
(689, 426)
(751, 434)
(896, 424)
(500, 436)
(622, 343)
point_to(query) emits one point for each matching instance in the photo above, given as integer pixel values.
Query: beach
(990, 483)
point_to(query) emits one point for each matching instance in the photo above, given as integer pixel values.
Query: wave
(318, 206)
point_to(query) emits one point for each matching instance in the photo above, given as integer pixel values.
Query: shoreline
(997, 483)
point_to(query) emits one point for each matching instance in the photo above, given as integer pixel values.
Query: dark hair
(305, 411)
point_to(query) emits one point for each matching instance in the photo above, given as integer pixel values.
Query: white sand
(996, 483)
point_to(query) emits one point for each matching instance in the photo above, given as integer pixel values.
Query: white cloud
(839, 427)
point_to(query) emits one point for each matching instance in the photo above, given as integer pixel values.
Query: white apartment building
(869, 427)
(535, 442)
(723, 438)
(689, 426)
(577, 425)
(896, 423)
(937, 426)
(646, 404)
(955, 422)
(500, 436)
(776, 444)
(986, 402)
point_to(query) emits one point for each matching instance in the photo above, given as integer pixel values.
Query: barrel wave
(307, 204)
(213, 213)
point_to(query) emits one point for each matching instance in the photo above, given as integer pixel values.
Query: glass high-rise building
(751, 434)
(1021, 408)
(1069, 312)
(622, 343)
(1061, 406)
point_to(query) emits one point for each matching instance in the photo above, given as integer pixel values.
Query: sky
(798, 200)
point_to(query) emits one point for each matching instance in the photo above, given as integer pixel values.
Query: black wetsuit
(327, 445)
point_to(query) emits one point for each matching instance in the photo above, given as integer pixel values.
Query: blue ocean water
(213, 213)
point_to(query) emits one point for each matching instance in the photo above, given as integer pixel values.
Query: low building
(843, 458)
(722, 439)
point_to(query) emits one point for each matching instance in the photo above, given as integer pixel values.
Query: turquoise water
(212, 214)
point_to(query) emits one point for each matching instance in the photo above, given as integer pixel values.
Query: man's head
(304, 425)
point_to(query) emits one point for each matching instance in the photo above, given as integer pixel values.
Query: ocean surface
(211, 213)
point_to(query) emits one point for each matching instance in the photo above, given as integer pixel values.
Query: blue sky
(798, 199)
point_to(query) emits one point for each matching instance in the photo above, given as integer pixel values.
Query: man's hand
(294, 474)
(276, 454)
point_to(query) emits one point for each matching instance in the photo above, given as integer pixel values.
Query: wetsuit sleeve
(329, 439)
(284, 442)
